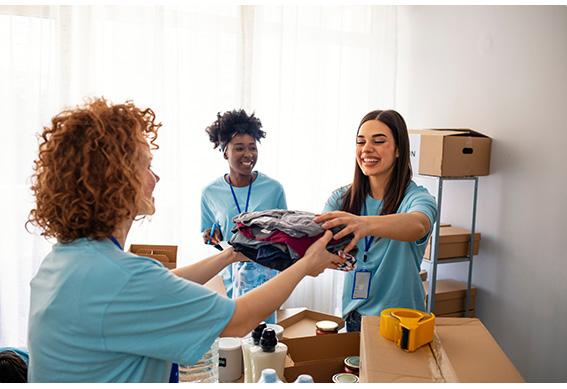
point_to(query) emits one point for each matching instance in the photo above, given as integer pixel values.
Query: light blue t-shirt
(218, 206)
(99, 314)
(394, 264)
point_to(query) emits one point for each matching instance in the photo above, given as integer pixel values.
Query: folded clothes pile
(276, 238)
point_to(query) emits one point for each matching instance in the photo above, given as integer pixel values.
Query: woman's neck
(120, 233)
(378, 186)
(240, 180)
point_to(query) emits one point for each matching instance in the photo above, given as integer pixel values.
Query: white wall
(503, 71)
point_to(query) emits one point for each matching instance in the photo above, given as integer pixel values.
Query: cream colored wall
(503, 71)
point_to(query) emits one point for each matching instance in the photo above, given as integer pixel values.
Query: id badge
(361, 285)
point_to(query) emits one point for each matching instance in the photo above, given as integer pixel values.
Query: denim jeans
(353, 321)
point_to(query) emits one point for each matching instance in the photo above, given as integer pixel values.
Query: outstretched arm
(406, 227)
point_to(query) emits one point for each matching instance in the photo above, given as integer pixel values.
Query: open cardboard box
(462, 351)
(454, 242)
(167, 255)
(450, 152)
(320, 356)
(301, 323)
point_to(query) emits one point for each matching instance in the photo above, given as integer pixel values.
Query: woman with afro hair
(242, 189)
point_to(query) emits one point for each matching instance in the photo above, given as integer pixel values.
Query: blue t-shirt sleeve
(160, 315)
(334, 201)
(281, 203)
(425, 203)
(207, 216)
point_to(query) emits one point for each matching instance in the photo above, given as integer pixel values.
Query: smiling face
(376, 149)
(242, 154)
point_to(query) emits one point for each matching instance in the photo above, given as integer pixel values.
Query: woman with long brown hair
(97, 313)
(393, 215)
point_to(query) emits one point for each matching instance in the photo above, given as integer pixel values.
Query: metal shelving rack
(433, 262)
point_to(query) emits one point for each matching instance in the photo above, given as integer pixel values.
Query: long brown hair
(355, 195)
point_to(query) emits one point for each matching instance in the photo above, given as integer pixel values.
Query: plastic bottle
(247, 343)
(248, 276)
(269, 354)
(205, 370)
(269, 376)
(304, 379)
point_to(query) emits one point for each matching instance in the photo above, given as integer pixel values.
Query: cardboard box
(320, 356)
(302, 323)
(450, 297)
(167, 255)
(449, 152)
(216, 284)
(462, 351)
(454, 242)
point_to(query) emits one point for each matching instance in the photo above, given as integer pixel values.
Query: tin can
(352, 364)
(345, 378)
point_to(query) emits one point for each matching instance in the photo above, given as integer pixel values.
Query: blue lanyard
(367, 239)
(234, 195)
(115, 241)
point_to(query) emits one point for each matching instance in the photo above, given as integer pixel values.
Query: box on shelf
(450, 297)
(299, 323)
(167, 255)
(454, 242)
(320, 356)
(462, 351)
(449, 152)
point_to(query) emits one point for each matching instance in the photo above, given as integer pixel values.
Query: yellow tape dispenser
(408, 328)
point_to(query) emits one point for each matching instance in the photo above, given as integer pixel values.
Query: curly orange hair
(86, 179)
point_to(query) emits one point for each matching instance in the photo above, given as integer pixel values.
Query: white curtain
(309, 73)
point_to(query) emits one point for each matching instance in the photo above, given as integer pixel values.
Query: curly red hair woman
(97, 313)
(86, 178)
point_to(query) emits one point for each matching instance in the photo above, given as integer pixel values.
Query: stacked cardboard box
(450, 152)
(167, 255)
(454, 242)
(462, 351)
(450, 298)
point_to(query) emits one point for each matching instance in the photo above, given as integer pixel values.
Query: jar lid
(327, 325)
(345, 378)
(353, 361)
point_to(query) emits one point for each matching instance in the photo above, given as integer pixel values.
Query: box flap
(473, 353)
(216, 284)
(302, 323)
(163, 253)
(383, 361)
(448, 132)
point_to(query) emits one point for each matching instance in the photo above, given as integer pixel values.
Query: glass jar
(325, 327)
(345, 378)
(205, 370)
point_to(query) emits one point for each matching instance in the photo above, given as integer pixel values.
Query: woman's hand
(317, 258)
(215, 239)
(357, 225)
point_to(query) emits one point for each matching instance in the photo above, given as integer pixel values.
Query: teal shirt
(218, 206)
(99, 314)
(395, 265)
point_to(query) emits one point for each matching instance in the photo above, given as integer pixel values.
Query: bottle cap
(353, 362)
(345, 378)
(268, 341)
(304, 379)
(257, 333)
(269, 376)
(327, 325)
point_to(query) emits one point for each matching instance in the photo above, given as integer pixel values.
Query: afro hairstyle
(232, 123)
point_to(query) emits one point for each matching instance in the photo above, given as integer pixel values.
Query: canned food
(326, 327)
(345, 378)
(352, 364)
